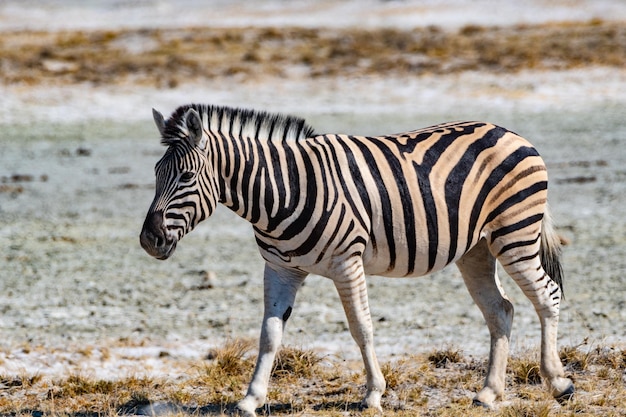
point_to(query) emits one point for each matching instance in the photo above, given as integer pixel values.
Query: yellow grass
(304, 383)
(173, 56)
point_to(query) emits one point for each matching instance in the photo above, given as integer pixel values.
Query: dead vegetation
(304, 383)
(168, 57)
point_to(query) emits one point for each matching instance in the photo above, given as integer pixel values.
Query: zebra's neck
(253, 157)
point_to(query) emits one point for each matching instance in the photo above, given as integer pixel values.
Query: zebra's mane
(237, 122)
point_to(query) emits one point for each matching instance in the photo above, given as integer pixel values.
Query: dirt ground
(76, 178)
(73, 197)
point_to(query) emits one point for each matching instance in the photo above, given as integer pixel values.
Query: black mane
(227, 119)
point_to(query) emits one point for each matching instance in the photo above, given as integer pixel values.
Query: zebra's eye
(186, 176)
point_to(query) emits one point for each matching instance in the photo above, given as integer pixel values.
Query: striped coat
(344, 206)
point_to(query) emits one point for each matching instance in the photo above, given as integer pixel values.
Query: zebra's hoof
(372, 401)
(477, 403)
(566, 395)
(485, 398)
(243, 410)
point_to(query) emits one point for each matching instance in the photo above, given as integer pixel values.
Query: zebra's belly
(404, 261)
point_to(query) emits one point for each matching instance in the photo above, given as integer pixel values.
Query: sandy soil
(76, 179)
(73, 197)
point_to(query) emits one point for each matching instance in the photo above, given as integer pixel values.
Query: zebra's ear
(194, 125)
(159, 121)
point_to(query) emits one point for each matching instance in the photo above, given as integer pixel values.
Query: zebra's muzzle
(154, 238)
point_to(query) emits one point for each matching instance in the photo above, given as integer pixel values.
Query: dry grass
(439, 383)
(295, 363)
(168, 57)
(525, 369)
(441, 358)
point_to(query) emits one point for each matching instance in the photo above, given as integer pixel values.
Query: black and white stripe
(343, 206)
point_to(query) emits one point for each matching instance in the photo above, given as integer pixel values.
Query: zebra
(343, 206)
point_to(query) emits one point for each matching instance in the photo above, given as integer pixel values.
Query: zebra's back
(417, 201)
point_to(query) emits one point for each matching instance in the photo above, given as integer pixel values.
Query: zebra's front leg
(280, 287)
(352, 290)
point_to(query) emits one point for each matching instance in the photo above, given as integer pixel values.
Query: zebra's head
(186, 189)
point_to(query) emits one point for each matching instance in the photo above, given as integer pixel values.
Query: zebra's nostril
(152, 233)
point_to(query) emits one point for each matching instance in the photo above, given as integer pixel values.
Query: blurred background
(78, 80)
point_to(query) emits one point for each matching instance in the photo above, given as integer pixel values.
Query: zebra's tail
(550, 250)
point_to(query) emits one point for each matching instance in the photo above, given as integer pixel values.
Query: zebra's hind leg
(525, 267)
(478, 268)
